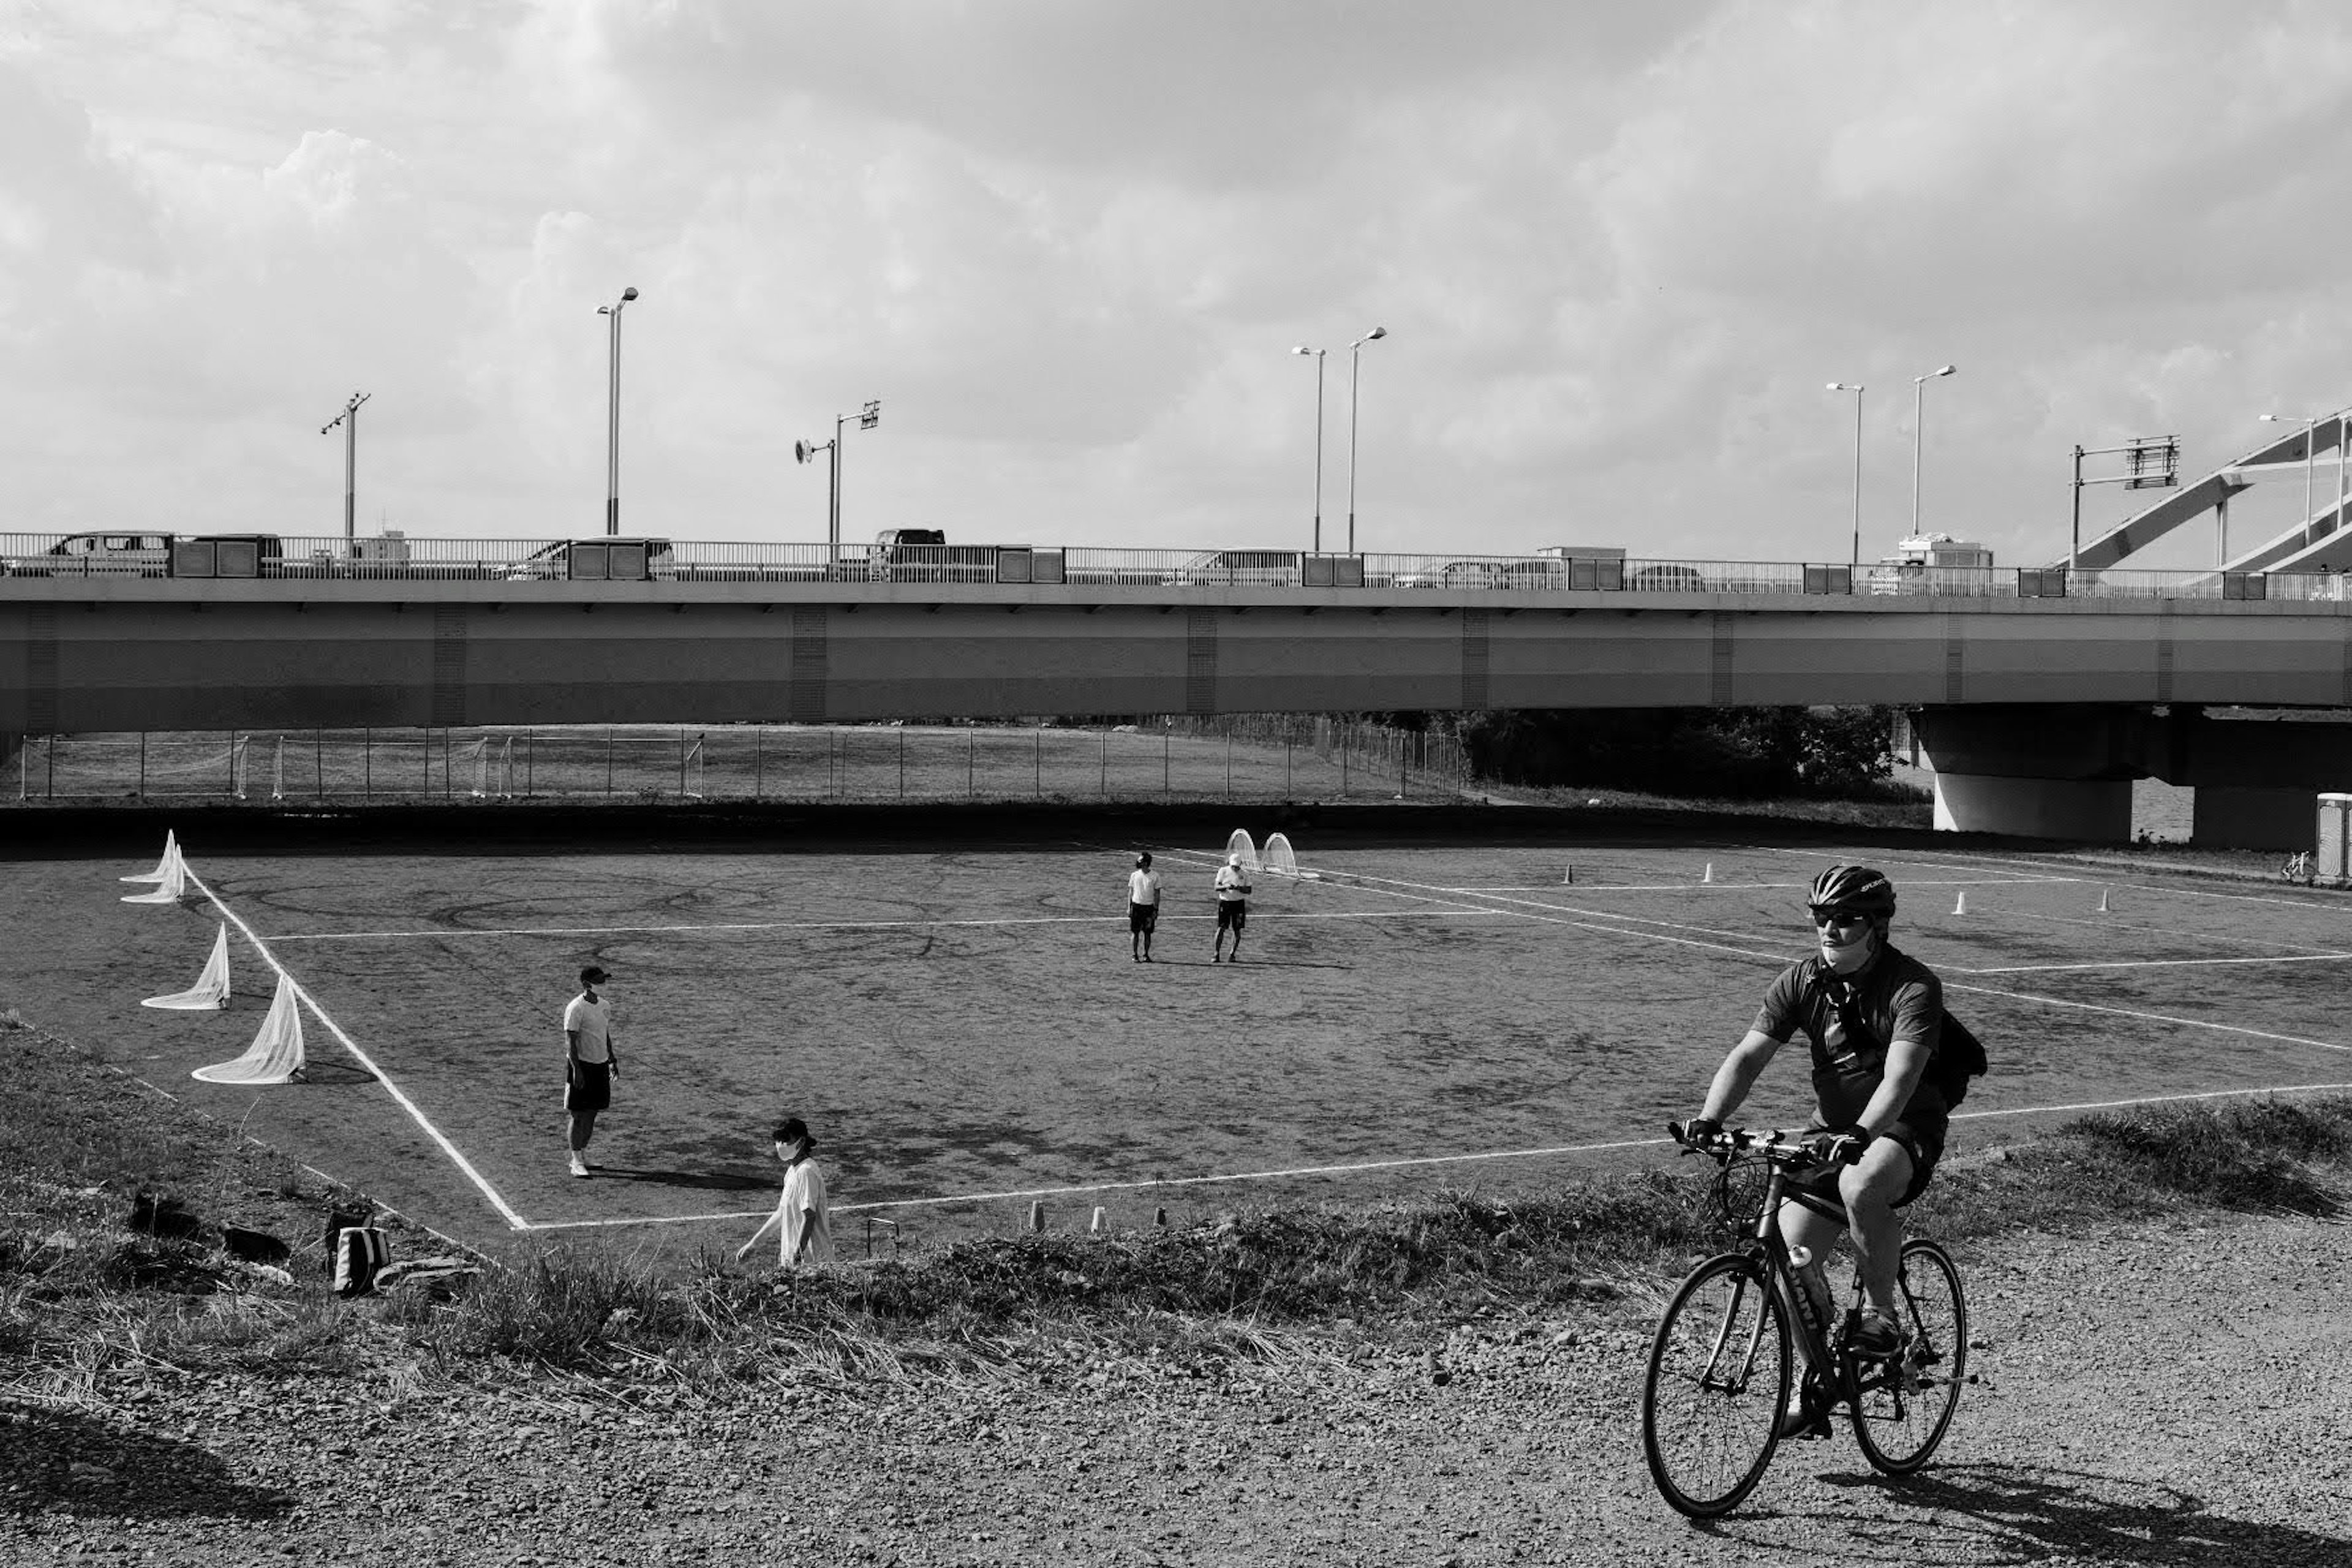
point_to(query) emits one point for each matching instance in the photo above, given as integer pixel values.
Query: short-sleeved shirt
(805, 1191)
(593, 1021)
(1894, 997)
(1142, 887)
(1232, 884)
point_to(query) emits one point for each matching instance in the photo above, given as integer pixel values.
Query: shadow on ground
(86, 1466)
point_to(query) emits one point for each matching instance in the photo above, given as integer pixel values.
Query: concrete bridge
(2035, 711)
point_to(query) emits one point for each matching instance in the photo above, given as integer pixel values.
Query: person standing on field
(804, 1218)
(590, 1065)
(1142, 908)
(1233, 905)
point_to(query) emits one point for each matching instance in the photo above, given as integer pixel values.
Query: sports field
(965, 1032)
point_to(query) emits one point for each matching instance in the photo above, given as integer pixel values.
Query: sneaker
(1808, 1415)
(1875, 1337)
(579, 1164)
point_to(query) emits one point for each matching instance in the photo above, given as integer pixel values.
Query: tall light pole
(350, 420)
(1855, 387)
(2310, 424)
(1318, 353)
(803, 451)
(613, 416)
(1355, 351)
(1918, 407)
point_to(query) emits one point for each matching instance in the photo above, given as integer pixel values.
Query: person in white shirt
(1233, 906)
(590, 1063)
(1142, 908)
(802, 1217)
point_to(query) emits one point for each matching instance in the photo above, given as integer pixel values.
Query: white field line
(1117, 919)
(2090, 875)
(2148, 1017)
(505, 1209)
(1358, 1167)
(1753, 886)
(2154, 964)
(2109, 923)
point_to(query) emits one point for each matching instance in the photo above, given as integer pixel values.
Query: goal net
(1278, 858)
(164, 866)
(172, 888)
(275, 1054)
(1241, 844)
(689, 772)
(211, 989)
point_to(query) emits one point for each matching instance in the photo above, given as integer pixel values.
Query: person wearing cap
(1233, 905)
(1142, 908)
(590, 1064)
(804, 1219)
(1874, 1016)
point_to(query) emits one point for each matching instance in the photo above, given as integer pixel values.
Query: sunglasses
(1837, 915)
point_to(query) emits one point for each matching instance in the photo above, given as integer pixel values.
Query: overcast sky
(1618, 249)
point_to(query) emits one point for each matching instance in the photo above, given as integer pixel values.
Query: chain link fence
(1175, 758)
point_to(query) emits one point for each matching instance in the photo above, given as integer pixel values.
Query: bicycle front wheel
(1902, 1406)
(1718, 1379)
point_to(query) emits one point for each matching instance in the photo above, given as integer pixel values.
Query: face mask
(1848, 956)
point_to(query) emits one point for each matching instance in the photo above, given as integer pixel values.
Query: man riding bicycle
(1874, 1018)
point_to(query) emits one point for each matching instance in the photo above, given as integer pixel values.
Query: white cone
(164, 866)
(1708, 875)
(1961, 906)
(2102, 900)
(174, 883)
(275, 1054)
(211, 989)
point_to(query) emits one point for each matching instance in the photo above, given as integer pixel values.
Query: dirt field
(960, 1024)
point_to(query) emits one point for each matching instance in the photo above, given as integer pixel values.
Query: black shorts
(1922, 1139)
(1233, 912)
(1142, 916)
(587, 1085)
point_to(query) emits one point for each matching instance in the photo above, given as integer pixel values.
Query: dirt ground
(966, 1032)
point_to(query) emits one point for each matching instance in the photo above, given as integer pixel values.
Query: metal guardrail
(395, 558)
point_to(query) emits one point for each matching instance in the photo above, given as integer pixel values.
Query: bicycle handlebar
(1796, 1151)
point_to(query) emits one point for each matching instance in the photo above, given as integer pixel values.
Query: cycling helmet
(1856, 887)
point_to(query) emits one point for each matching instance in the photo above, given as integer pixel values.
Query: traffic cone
(1708, 875)
(2102, 900)
(1961, 906)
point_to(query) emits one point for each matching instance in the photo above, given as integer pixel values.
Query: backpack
(1960, 1055)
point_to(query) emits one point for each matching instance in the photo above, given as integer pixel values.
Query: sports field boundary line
(1358, 1167)
(301, 993)
(1117, 919)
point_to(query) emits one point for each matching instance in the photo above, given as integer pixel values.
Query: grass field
(961, 1022)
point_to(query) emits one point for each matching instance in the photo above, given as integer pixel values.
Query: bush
(1737, 753)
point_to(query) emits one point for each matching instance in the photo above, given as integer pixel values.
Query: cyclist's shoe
(1875, 1336)
(1808, 1415)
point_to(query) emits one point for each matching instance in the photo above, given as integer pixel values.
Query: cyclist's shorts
(1232, 912)
(1921, 1138)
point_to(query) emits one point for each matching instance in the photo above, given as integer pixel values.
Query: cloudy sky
(1619, 250)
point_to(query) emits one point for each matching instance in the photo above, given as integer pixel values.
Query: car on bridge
(606, 560)
(1237, 569)
(100, 555)
(1457, 575)
(1666, 577)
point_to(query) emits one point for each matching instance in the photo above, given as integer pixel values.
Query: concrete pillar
(2098, 810)
(2236, 817)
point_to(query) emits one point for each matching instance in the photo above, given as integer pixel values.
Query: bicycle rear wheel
(1718, 1378)
(1902, 1406)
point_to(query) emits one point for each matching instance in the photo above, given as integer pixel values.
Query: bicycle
(1720, 1372)
(2300, 867)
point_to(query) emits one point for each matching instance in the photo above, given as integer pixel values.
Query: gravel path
(2146, 1398)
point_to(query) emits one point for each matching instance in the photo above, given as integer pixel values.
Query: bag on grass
(360, 1251)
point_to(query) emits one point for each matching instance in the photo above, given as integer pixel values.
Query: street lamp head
(1844, 387)
(628, 294)
(1375, 335)
(1943, 369)
(1303, 348)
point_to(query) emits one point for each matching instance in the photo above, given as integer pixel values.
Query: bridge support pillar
(2094, 809)
(2245, 818)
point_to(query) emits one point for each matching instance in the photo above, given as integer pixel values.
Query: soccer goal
(1279, 860)
(1243, 845)
(689, 772)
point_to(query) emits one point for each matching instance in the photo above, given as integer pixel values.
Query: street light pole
(350, 420)
(613, 416)
(1856, 389)
(1355, 351)
(866, 417)
(2310, 426)
(1318, 353)
(1918, 409)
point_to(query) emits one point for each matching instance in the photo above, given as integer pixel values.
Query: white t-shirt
(1142, 887)
(805, 1190)
(1232, 884)
(593, 1021)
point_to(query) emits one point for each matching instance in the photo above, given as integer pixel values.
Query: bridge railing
(393, 557)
